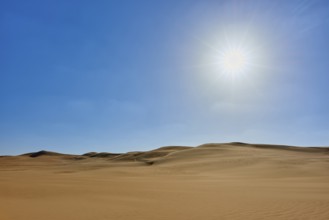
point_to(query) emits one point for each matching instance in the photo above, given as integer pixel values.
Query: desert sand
(211, 181)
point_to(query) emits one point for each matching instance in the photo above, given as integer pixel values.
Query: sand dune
(210, 181)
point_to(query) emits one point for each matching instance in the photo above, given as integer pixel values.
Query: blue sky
(116, 76)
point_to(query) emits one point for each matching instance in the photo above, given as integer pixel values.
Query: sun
(233, 56)
(234, 61)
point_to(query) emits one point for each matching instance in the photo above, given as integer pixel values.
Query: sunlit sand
(212, 181)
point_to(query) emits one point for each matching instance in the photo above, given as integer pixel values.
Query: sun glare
(234, 61)
(233, 54)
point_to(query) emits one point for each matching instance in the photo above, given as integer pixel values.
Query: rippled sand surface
(211, 181)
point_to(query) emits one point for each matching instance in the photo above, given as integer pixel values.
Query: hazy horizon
(120, 76)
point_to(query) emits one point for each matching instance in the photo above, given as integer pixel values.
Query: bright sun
(234, 61)
(233, 56)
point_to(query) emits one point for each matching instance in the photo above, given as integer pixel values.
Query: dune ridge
(211, 181)
(166, 150)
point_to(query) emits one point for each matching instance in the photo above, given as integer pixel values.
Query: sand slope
(211, 181)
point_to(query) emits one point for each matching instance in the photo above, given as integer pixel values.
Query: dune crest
(212, 181)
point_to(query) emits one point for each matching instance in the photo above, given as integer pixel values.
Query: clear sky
(125, 75)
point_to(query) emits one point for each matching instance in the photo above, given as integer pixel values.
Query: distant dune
(163, 153)
(211, 181)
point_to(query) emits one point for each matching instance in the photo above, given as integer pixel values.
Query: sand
(212, 181)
